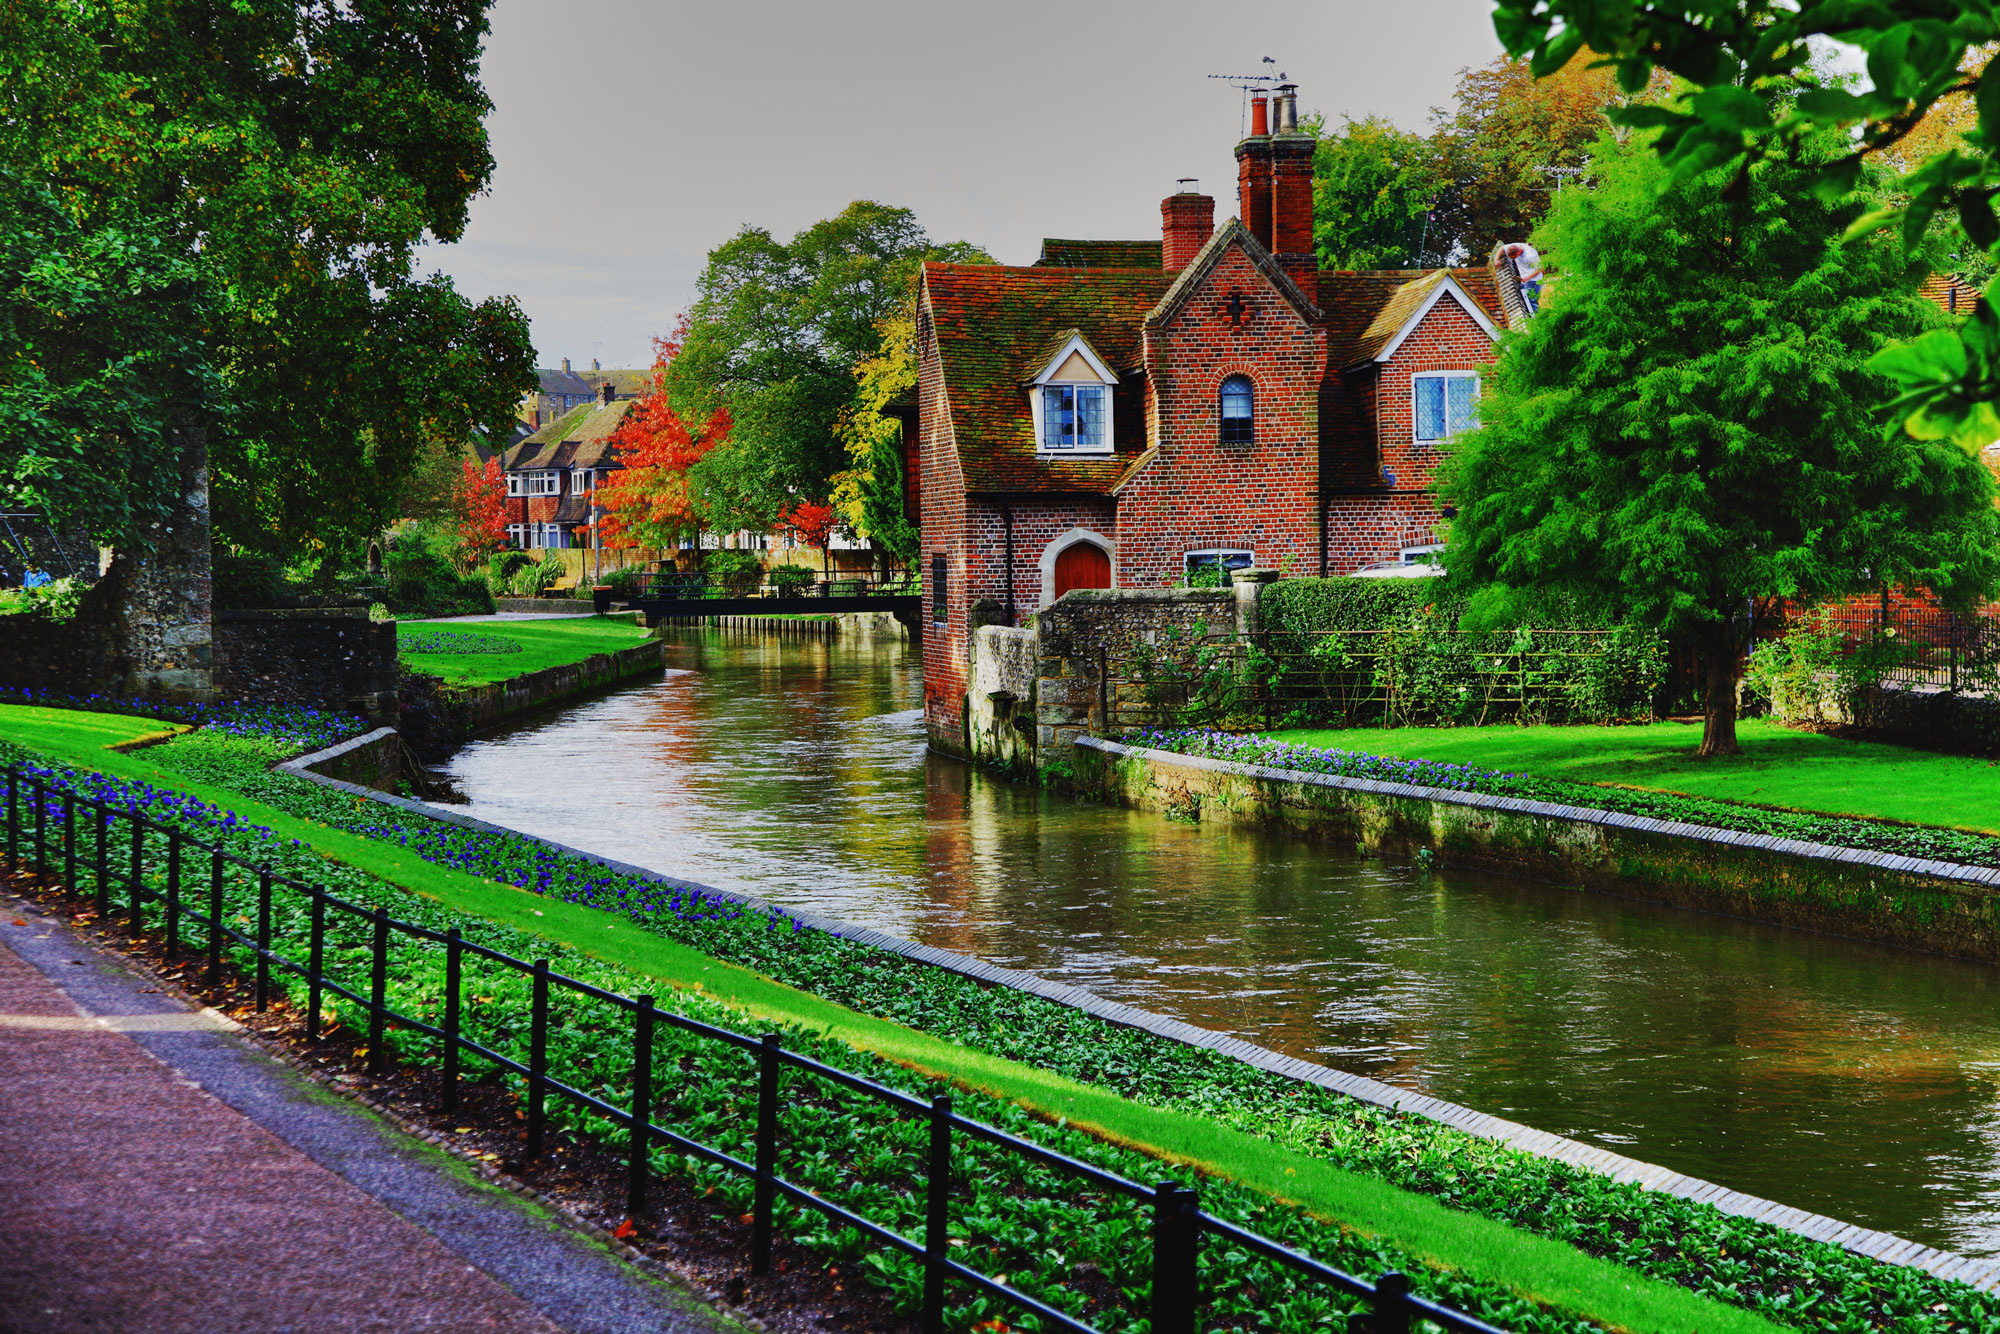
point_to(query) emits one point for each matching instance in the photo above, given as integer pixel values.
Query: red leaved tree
(650, 501)
(479, 505)
(814, 522)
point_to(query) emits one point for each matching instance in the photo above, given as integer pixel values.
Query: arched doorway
(1082, 565)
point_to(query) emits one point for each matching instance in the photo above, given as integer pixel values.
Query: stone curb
(1883, 1246)
(485, 1171)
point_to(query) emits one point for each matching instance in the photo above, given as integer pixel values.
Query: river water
(1846, 1078)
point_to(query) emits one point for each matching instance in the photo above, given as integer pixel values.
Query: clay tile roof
(1100, 254)
(992, 321)
(1351, 298)
(1405, 299)
(585, 433)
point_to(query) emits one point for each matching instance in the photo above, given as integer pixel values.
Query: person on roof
(1528, 268)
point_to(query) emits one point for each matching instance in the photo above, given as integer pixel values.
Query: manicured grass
(553, 643)
(1779, 766)
(1475, 1247)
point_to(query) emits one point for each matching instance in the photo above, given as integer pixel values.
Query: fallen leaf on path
(624, 1230)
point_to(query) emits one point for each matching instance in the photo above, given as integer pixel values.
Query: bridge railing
(667, 585)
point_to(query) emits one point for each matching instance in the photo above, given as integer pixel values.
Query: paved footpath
(160, 1174)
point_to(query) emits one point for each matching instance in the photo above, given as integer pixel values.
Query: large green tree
(1374, 189)
(776, 332)
(1690, 424)
(211, 216)
(1740, 52)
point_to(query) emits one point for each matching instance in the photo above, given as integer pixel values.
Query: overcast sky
(633, 135)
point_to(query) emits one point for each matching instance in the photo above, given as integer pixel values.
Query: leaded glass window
(1445, 404)
(1238, 411)
(1073, 416)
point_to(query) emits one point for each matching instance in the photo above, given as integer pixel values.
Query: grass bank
(482, 653)
(1060, 1060)
(1780, 766)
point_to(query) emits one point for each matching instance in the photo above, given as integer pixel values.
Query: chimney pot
(565, 365)
(1260, 116)
(1287, 116)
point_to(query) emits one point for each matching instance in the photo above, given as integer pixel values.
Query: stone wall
(327, 656)
(1000, 696)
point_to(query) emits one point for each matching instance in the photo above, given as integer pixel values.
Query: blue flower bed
(298, 727)
(1949, 845)
(453, 641)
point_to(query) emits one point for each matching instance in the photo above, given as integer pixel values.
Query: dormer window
(1070, 398)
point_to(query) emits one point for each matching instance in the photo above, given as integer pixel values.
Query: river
(1850, 1079)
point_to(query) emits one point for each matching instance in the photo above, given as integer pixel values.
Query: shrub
(1812, 674)
(535, 578)
(421, 578)
(737, 573)
(245, 579)
(790, 580)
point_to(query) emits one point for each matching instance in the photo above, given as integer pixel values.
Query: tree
(654, 499)
(814, 522)
(869, 493)
(1740, 53)
(266, 168)
(479, 506)
(1690, 423)
(1374, 187)
(777, 329)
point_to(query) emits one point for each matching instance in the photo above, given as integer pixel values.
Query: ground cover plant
(537, 645)
(1735, 1260)
(1787, 784)
(1071, 1247)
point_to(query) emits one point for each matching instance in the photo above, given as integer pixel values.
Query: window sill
(1043, 454)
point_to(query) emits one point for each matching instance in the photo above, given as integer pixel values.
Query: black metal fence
(1926, 648)
(197, 870)
(659, 585)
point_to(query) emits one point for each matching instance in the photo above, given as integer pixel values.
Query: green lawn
(1779, 766)
(553, 643)
(1538, 1268)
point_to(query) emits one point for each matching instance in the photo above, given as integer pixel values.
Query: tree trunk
(1718, 695)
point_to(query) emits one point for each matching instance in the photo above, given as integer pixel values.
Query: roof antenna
(1247, 82)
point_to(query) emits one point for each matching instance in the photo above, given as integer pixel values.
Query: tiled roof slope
(1952, 294)
(992, 322)
(1101, 254)
(562, 382)
(580, 438)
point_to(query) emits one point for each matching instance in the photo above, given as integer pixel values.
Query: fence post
(937, 1214)
(315, 961)
(137, 880)
(1174, 1253)
(215, 917)
(69, 842)
(1388, 1313)
(378, 996)
(767, 1156)
(263, 937)
(642, 1108)
(103, 886)
(13, 819)
(41, 830)
(452, 948)
(173, 891)
(538, 1057)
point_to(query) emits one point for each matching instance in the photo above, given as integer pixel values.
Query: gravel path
(157, 1173)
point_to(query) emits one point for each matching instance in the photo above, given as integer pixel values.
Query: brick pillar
(1253, 173)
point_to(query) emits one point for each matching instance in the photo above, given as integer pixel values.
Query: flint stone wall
(330, 657)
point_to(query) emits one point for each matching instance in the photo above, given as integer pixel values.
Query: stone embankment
(1940, 907)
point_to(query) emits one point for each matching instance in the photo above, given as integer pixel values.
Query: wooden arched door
(1082, 565)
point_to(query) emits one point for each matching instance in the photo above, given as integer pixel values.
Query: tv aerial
(1271, 77)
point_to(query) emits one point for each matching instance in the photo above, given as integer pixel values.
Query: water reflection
(1836, 1076)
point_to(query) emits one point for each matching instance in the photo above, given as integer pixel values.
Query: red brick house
(553, 475)
(1122, 413)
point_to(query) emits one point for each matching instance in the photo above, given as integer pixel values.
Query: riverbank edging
(480, 707)
(373, 760)
(1883, 1246)
(1918, 903)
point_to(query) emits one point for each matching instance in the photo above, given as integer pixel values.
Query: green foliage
(790, 579)
(777, 331)
(1762, 98)
(735, 572)
(533, 578)
(1670, 480)
(209, 217)
(1373, 189)
(246, 578)
(1812, 674)
(58, 600)
(422, 579)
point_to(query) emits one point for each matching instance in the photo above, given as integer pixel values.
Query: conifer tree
(1690, 425)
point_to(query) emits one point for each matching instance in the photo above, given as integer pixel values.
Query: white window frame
(516, 536)
(534, 482)
(1216, 555)
(1477, 388)
(1049, 379)
(1420, 555)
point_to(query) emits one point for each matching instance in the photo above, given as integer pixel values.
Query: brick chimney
(1291, 239)
(605, 393)
(1187, 220)
(1253, 171)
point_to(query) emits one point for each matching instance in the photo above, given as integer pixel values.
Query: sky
(632, 135)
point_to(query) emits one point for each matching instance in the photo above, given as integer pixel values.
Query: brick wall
(1037, 522)
(1447, 340)
(942, 488)
(1198, 492)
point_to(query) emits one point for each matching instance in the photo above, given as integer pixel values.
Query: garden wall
(1928, 905)
(374, 760)
(477, 708)
(325, 656)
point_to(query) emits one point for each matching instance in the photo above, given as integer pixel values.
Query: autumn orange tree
(479, 508)
(654, 499)
(814, 522)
